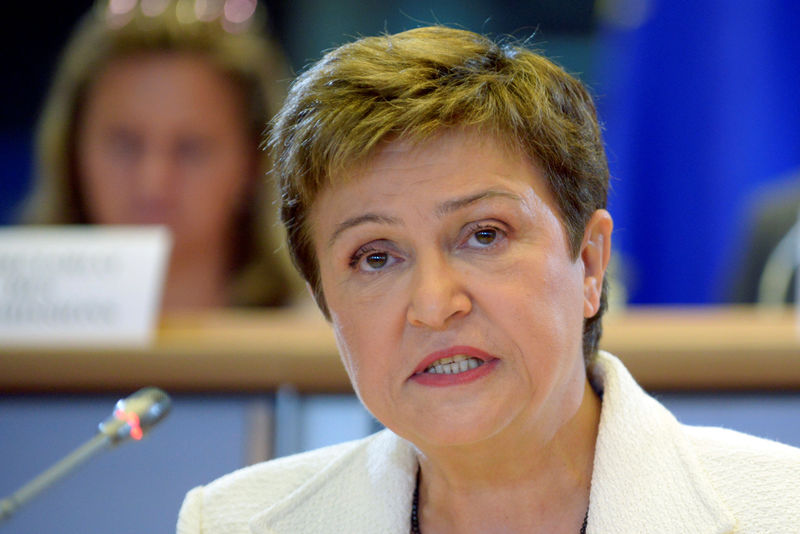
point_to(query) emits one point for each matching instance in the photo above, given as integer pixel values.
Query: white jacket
(651, 475)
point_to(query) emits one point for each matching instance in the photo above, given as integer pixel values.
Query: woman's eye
(376, 260)
(372, 260)
(484, 237)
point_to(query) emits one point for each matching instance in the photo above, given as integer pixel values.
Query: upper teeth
(454, 364)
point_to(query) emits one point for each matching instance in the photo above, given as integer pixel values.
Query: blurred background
(699, 99)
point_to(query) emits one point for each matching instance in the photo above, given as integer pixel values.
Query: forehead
(453, 157)
(433, 177)
(161, 84)
(396, 149)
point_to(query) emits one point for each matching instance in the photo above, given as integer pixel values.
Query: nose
(155, 175)
(438, 294)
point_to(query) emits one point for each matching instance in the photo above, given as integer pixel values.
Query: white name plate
(81, 285)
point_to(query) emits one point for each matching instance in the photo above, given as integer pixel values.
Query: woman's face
(163, 140)
(453, 251)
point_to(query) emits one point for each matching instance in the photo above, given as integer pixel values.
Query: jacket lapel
(367, 490)
(647, 477)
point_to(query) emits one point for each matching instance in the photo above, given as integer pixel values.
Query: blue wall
(700, 102)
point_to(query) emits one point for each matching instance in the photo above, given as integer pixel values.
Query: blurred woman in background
(154, 117)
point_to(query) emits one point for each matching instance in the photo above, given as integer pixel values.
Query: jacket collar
(646, 478)
(368, 489)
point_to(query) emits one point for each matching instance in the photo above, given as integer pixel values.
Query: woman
(155, 117)
(444, 197)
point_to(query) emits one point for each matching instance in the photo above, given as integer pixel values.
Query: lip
(460, 378)
(449, 353)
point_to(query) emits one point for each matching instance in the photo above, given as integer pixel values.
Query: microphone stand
(131, 419)
(55, 473)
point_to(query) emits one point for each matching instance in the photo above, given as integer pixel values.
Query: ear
(595, 253)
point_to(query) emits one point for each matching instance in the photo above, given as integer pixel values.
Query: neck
(535, 485)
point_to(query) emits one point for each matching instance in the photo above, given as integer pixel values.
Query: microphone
(132, 418)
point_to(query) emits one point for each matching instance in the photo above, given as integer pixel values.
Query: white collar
(646, 477)
(368, 489)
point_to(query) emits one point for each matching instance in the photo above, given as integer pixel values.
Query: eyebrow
(361, 219)
(458, 203)
(442, 209)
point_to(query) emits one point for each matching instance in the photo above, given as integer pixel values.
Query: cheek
(542, 303)
(106, 194)
(563, 288)
(346, 352)
(360, 358)
(564, 304)
(365, 334)
(358, 332)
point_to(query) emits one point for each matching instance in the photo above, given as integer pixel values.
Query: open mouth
(459, 363)
(453, 366)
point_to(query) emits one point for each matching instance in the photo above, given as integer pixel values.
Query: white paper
(81, 285)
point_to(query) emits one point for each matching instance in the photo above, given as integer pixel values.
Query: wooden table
(236, 350)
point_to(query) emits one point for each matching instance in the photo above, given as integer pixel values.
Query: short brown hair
(416, 83)
(246, 56)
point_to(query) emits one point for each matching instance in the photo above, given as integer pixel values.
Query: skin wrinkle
(341, 109)
(443, 209)
(375, 218)
(394, 146)
(451, 206)
(511, 450)
(522, 302)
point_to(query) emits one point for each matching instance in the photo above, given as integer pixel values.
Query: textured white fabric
(651, 475)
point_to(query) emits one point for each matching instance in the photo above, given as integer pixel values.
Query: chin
(453, 432)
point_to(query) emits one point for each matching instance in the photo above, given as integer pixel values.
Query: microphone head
(135, 415)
